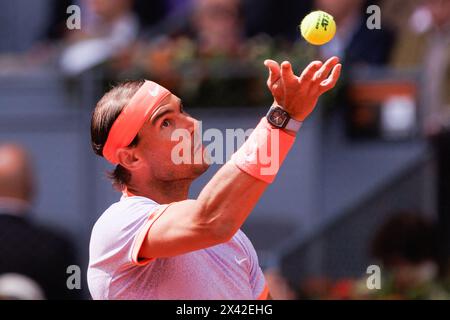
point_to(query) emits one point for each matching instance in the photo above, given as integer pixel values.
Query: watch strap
(293, 125)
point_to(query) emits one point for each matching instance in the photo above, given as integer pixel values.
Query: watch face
(278, 117)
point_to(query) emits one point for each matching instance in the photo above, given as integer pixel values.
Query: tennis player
(155, 243)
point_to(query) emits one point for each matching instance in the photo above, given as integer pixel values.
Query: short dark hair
(105, 113)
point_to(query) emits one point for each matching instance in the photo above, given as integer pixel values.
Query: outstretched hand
(299, 95)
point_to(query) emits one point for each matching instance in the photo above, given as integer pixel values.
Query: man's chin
(199, 169)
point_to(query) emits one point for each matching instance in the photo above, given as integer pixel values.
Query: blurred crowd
(204, 49)
(211, 53)
(407, 252)
(33, 258)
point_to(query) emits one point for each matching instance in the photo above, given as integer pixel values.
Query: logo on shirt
(239, 261)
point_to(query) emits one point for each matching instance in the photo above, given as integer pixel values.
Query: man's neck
(163, 192)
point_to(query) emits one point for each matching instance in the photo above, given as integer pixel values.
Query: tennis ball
(318, 27)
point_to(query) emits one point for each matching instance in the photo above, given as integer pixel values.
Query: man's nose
(192, 124)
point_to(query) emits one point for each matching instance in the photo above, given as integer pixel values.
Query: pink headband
(127, 125)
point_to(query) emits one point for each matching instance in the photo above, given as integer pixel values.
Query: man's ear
(127, 158)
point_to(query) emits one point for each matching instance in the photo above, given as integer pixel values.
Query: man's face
(157, 145)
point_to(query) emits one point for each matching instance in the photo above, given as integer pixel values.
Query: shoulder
(114, 232)
(123, 214)
(126, 207)
(244, 242)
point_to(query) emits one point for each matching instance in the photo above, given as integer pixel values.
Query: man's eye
(165, 124)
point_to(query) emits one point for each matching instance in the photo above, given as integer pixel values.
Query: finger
(309, 71)
(274, 81)
(274, 71)
(324, 71)
(332, 79)
(287, 74)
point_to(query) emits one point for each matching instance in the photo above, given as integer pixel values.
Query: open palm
(298, 95)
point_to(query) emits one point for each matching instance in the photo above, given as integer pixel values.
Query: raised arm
(228, 198)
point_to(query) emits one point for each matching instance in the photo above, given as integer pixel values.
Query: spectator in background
(163, 17)
(205, 58)
(25, 248)
(407, 247)
(148, 13)
(396, 12)
(359, 48)
(153, 12)
(424, 44)
(218, 27)
(56, 28)
(405, 240)
(260, 17)
(354, 42)
(109, 28)
(18, 287)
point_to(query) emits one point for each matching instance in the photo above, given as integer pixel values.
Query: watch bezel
(286, 115)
